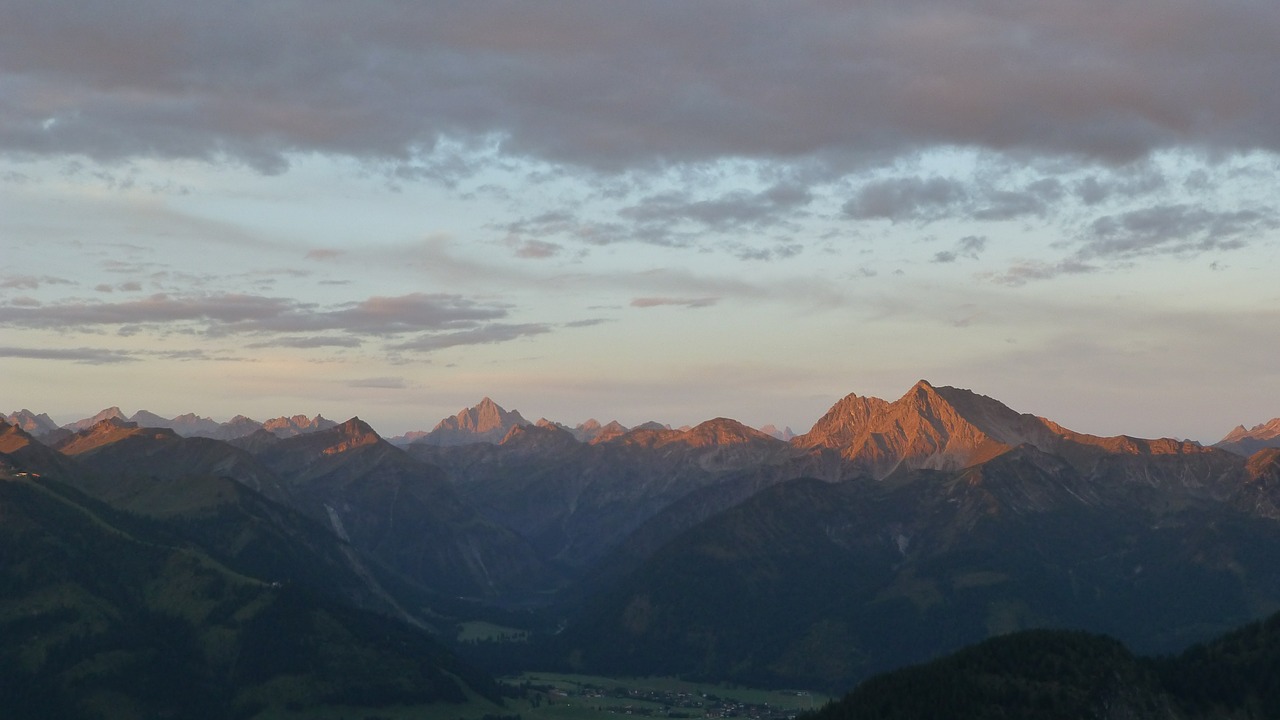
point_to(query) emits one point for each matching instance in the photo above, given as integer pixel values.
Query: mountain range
(889, 533)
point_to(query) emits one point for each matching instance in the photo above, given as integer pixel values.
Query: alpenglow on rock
(486, 422)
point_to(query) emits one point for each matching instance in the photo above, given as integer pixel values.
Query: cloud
(649, 302)
(537, 249)
(730, 211)
(1024, 272)
(84, 355)
(402, 84)
(307, 343)
(589, 322)
(906, 199)
(30, 282)
(238, 313)
(970, 246)
(380, 383)
(323, 254)
(1174, 229)
(485, 335)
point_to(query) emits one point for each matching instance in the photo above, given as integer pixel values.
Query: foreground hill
(1057, 675)
(108, 616)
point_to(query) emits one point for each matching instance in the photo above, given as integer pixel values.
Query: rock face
(86, 423)
(33, 424)
(285, 427)
(948, 428)
(785, 434)
(486, 422)
(1247, 442)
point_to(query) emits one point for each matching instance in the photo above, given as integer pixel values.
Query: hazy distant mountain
(109, 413)
(285, 427)
(407, 438)
(592, 431)
(1248, 442)
(188, 425)
(785, 434)
(238, 426)
(486, 422)
(35, 425)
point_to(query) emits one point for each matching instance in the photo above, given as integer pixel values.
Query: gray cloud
(308, 343)
(237, 313)
(925, 200)
(380, 383)
(1174, 229)
(30, 282)
(649, 302)
(84, 355)
(537, 249)
(614, 86)
(484, 335)
(970, 246)
(907, 199)
(1024, 272)
(731, 211)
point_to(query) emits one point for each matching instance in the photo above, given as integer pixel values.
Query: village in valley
(580, 696)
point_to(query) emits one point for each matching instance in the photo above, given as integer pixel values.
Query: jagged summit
(842, 423)
(86, 423)
(948, 428)
(30, 422)
(1247, 442)
(485, 422)
(297, 425)
(785, 434)
(110, 429)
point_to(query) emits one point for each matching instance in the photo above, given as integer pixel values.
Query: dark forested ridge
(104, 615)
(1060, 675)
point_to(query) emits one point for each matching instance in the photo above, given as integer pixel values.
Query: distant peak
(355, 426)
(351, 434)
(485, 422)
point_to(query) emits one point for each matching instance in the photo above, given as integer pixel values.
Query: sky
(665, 211)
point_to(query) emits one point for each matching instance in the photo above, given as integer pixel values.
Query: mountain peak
(723, 431)
(297, 425)
(487, 421)
(86, 423)
(349, 435)
(1246, 442)
(109, 430)
(30, 422)
(842, 423)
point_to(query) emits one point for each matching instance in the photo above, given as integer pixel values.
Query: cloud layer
(615, 86)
